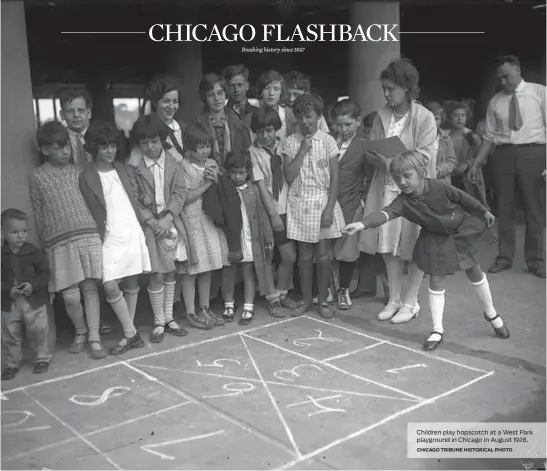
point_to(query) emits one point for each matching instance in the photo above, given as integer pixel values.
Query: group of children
(173, 212)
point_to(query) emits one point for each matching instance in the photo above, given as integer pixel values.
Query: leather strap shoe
(499, 266)
(539, 272)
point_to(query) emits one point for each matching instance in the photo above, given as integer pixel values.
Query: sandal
(246, 317)
(228, 314)
(98, 352)
(430, 345)
(502, 332)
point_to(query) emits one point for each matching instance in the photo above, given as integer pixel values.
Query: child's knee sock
(345, 271)
(74, 309)
(92, 308)
(168, 297)
(324, 275)
(483, 290)
(131, 298)
(156, 300)
(436, 306)
(121, 309)
(305, 273)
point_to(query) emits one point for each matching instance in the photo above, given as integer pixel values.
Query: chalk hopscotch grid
(298, 457)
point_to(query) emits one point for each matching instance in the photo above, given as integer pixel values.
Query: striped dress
(65, 225)
(309, 191)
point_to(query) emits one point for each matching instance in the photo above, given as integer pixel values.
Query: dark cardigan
(29, 264)
(92, 191)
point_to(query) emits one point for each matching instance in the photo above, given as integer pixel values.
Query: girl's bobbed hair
(196, 134)
(102, 133)
(239, 160)
(411, 160)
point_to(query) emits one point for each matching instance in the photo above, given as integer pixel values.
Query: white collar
(242, 187)
(520, 86)
(161, 161)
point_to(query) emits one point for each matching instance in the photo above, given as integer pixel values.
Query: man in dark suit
(237, 79)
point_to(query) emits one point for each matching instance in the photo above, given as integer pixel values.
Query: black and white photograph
(273, 235)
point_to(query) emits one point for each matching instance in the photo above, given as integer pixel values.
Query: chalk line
(387, 419)
(343, 355)
(148, 355)
(94, 432)
(163, 456)
(419, 352)
(212, 409)
(288, 431)
(334, 367)
(278, 383)
(75, 432)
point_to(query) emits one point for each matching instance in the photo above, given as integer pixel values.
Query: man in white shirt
(76, 108)
(515, 129)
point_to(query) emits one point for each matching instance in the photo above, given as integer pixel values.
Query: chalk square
(315, 339)
(81, 456)
(134, 396)
(26, 426)
(424, 375)
(225, 356)
(331, 416)
(187, 438)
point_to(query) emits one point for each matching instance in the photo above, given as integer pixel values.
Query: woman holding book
(404, 117)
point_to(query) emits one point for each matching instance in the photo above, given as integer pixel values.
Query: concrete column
(367, 59)
(184, 62)
(19, 151)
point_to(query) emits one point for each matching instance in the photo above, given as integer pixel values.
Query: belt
(521, 146)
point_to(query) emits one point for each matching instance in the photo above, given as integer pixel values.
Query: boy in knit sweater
(25, 275)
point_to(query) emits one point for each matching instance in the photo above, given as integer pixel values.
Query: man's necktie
(81, 156)
(515, 119)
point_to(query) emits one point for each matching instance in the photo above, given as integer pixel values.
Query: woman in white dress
(415, 125)
(107, 192)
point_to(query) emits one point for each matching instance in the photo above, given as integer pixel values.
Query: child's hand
(164, 223)
(277, 224)
(15, 292)
(26, 289)
(327, 217)
(306, 145)
(147, 200)
(268, 246)
(544, 175)
(375, 158)
(489, 218)
(353, 228)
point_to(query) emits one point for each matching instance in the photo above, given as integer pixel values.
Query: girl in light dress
(200, 172)
(107, 192)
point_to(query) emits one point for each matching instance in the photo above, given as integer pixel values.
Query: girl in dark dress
(454, 225)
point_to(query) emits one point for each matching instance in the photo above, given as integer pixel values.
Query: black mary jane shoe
(246, 317)
(174, 328)
(430, 345)
(228, 314)
(502, 332)
(156, 337)
(125, 344)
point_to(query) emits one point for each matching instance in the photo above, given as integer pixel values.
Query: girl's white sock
(436, 306)
(131, 298)
(483, 290)
(168, 298)
(248, 307)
